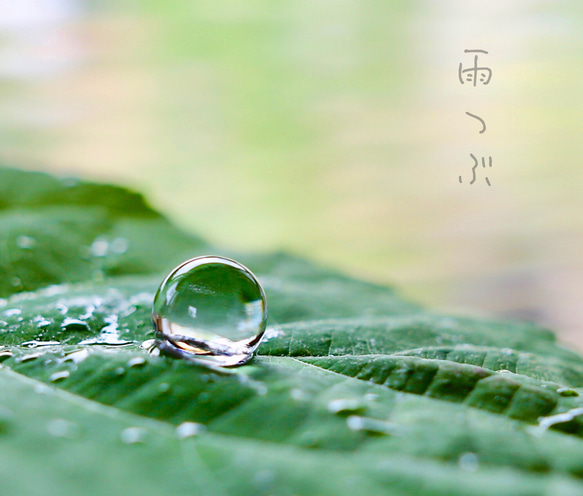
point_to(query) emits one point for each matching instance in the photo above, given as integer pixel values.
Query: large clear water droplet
(210, 309)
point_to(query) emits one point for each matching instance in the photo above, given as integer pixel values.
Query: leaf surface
(354, 390)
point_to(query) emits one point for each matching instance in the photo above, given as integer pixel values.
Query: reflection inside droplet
(210, 309)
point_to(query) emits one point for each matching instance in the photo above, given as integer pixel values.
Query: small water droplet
(76, 356)
(119, 371)
(12, 312)
(189, 429)
(5, 355)
(108, 335)
(25, 242)
(560, 418)
(62, 428)
(210, 309)
(468, 462)
(149, 345)
(42, 389)
(54, 290)
(29, 357)
(133, 435)
(272, 332)
(74, 325)
(136, 362)
(567, 392)
(371, 396)
(59, 376)
(119, 245)
(41, 322)
(16, 281)
(345, 406)
(62, 308)
(39, 344)
(164, 387)
(373, 426)
(260, 388)
(99, 248)
(299, 395)
(88, 312)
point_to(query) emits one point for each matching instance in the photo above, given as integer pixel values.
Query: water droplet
(99, 248)
(41, 322)
(560, 418)
(210, 309)
(133, 435)
(76, 356)
(62, 308)
(16, 281)
(40, 344)
(54, 290)
(119, 371)
(59, 376)
(74, 325)
(567, 392)
(25, 242)
(28, 358)
(108, 335)
(189, 429)
(468, 462)
(373, 426)
(88, 312)
(42, 389)
(12, 312)
(5, 355)
(137, 362)
(271, 333)
(149, 345)
(62, 428)
(119, 245)
(299, 395)
(345, 406)
(164, 387)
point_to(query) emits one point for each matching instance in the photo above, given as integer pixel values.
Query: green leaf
(353, 390)
(56, 231)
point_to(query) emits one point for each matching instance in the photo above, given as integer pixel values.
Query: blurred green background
(334, 130)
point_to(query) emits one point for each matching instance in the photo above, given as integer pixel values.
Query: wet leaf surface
(353, 390)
